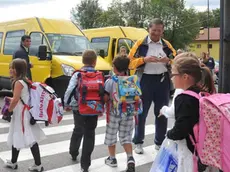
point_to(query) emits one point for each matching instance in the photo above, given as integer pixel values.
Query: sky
(60, 9)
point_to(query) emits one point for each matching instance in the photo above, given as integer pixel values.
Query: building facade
(201, 43)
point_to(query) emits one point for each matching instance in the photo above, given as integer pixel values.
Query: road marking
(61, 147)
(65, 118)
(98, 165)
(55, 130)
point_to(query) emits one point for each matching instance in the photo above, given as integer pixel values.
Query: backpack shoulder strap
(28, 83)
(79, 71)
(114, 77)
(73, 92)
(192, 93)
(74, 72)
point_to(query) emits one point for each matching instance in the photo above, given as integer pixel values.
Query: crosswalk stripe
(4, 125)
(55, 130)
(65, 118)
(98, 165)
(61, 147)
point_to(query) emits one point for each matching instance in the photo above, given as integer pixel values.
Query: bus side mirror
(42, 52)
(102, 53)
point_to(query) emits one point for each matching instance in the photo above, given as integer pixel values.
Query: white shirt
(27, 49)
(155, 49)
(169, 111)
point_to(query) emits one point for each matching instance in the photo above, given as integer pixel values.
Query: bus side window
(12, 41)
(37, 39)
(101, 43)
(124, 42)
(1, 36)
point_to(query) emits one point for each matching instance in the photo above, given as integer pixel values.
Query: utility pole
(224, 84)
(221, 59)
(208, 21)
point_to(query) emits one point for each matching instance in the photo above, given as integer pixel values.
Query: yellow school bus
(108, 40)
(65, 43)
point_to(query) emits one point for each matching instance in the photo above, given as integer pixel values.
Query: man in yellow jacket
(150, 58)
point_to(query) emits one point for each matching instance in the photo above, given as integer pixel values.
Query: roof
(214, 34)
(53, 26)
(117, 32)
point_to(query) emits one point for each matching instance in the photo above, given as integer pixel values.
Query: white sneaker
(139, 149)
(11, 165)
(38, 168)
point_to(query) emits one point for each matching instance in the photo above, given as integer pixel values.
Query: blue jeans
(157, 91)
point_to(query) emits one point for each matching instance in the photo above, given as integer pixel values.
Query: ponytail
(188, 63)
(207, 83)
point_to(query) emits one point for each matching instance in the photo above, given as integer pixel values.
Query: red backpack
(90, 88)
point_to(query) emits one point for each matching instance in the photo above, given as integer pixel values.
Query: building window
(192, 45)
(198, 46)
(210, 46)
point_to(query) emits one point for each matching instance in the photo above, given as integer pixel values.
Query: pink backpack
(212, 133)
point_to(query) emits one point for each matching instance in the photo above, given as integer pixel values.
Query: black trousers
(29, 74)
(35, 152)
(84, 126)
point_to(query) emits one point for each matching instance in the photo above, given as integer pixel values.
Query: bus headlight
(67, 70)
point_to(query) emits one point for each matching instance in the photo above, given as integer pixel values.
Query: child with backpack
(116, 122)
(187, 74)
(21, 133)
(83, 85)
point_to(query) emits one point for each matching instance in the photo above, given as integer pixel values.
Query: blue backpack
(127, 95)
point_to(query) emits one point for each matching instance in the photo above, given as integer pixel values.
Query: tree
(114, 16)
(135, 12)
(203, 18)
(185, 29)
(181, 26)
(87, 13)
(214, 18)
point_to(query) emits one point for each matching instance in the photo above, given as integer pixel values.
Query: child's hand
(160, 114)
(67, 109)
(8, 98)
(106, 97)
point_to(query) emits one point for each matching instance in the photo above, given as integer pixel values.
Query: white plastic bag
(181, 159)
(166, 159)
(185, 157)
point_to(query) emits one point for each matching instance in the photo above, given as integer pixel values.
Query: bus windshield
(68, 44)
